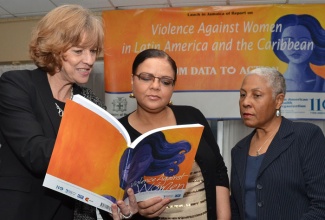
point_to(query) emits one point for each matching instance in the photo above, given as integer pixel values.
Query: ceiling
(26, 8)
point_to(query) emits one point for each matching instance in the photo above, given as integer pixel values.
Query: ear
(279, 100)
(132, 81)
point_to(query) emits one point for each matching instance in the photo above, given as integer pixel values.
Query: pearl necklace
(60, 110)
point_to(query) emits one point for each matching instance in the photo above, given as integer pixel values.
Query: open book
(94, 161)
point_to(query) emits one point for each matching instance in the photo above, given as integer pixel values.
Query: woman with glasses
(207, 194)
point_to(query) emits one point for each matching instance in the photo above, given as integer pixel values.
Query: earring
(131, 95)
(170, 102)
(278, 113)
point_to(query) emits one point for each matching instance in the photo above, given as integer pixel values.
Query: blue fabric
(290, 182)
(252, 168)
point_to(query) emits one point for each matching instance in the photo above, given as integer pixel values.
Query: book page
(104, 114)
(86, 158)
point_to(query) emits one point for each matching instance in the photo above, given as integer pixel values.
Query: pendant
(60, 111)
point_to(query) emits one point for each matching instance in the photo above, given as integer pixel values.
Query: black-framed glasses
(150, 78)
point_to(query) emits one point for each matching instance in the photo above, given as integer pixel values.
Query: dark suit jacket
(29, 123)
(291, 181)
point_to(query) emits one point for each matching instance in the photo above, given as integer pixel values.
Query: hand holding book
(94, 160)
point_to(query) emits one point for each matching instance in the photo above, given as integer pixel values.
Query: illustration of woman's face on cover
(299, 35)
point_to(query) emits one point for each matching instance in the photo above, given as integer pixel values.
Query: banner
(214, 47)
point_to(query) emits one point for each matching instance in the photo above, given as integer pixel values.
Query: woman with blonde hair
(64, 47)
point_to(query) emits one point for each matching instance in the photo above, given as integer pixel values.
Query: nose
(89, 57)
(244, 101)
(155, 83)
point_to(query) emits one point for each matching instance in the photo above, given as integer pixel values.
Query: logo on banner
(119, 104)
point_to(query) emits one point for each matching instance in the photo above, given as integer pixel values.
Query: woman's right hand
(121, 210)
(152, 207)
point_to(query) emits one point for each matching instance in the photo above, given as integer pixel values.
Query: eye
(166, 81)
(257, 95)
(94, 51)
(78, 51)
(146, 77)
(242, 95)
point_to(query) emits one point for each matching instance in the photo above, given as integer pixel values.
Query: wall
(14, 39)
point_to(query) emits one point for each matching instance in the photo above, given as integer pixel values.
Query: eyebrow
(155, 76)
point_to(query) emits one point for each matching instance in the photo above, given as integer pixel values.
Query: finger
(124, 209)
(154, 210)
(149, 202)
(133, 205)
(115, 213)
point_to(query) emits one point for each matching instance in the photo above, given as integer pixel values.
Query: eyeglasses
(149, 78)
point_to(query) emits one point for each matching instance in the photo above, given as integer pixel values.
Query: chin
(83, 80)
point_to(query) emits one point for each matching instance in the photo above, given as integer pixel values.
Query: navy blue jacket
(291, 181)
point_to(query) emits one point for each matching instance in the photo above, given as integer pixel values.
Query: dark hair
(313, 26)
(153, 53)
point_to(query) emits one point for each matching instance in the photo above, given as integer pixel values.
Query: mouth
(84, 71)
(246, 115)
(153, 97)
(296, 55)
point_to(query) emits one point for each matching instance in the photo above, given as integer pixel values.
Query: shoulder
(188, 114)
(23, 77)
(299, 128)
(124, 120)
(16, 74)
(89, 94)
(181, 109)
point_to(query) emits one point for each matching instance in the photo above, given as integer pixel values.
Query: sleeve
(234, 189)
(19, 126)
(89, 94)
(312, 157)
(221, 176)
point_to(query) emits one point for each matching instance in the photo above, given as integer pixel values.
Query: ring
(127, 216)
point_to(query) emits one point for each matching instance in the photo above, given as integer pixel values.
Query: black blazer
(290, 183)
(29, 123)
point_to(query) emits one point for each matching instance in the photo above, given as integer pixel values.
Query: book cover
(94, 161)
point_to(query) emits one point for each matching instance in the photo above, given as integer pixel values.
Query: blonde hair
(62, 28)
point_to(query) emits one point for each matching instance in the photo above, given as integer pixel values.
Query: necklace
(258, 151)
(60, 110)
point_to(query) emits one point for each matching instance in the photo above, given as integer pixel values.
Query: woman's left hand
(126, 211)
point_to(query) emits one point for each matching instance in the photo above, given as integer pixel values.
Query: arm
(221, 176)
(223, 203)
(18, 115)
(234, 186)
(312, 157)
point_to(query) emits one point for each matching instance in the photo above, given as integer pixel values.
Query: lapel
(44, 91)
(279, 144)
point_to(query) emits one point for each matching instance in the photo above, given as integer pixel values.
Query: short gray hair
(274, 79)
